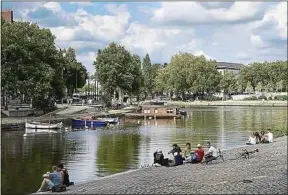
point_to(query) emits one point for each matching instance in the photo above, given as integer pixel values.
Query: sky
(240, 32)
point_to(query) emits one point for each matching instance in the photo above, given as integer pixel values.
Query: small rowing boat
(40, 125)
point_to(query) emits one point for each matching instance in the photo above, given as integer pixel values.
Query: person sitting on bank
(212, 153)
(65, 175)
(178, 159)
(267, 138)
(200, 154)
(175, 148)
(263, 136)
(46, 184)
(251, 140)
(258, 137)
(158, 157)
(187, 151)
(57, 179)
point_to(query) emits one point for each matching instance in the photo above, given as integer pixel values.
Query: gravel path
(267, 171)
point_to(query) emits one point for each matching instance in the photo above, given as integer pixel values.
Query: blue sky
(242, 32)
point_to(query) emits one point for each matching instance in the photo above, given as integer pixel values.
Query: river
(97, 153)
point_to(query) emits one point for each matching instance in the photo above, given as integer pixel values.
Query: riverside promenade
(266, 170)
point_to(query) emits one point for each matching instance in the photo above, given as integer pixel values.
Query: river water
(97, 153)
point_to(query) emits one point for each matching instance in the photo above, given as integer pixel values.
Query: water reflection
(96, 153)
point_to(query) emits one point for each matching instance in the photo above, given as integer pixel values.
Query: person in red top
(200, 153)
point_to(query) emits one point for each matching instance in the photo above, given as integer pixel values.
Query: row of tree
(33, 68)
(121, 72)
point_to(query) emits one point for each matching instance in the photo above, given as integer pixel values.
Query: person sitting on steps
(65, 175)
(158, 157)
(212, 153)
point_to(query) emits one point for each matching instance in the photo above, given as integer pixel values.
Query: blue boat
(88, 123)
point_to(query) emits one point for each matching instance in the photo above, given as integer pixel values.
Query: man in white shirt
(212, 150)
(270, 137)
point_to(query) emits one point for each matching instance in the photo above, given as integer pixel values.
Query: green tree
(75, 73)
(189, 73)
(228, 83)
(148, 76)
(118, 70)
(30, 64)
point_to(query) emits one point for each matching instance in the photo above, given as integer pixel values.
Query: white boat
(39, 125)
(109, 120)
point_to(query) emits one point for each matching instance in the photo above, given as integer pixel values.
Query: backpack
(158, 156)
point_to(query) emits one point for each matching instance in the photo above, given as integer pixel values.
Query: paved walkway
(267, 170)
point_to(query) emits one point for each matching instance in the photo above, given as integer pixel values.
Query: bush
(212, 98)
(270, 98)
(280, 131)
(251, 98)
(262, 97)
(281, 97)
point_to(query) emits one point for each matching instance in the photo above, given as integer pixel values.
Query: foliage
(31, 64)
(118, 70)
(189, 73)
(281, 97)
(74, 72)
(251, 98)
(228, 83)
(212, 98)
(270, 76)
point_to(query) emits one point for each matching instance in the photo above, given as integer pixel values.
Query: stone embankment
(258, 103)
(264, 173)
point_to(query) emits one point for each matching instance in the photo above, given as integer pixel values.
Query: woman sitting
(252, 140)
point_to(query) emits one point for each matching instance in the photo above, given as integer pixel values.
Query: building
(224, 67)
(7, 15)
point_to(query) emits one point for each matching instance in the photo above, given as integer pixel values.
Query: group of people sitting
(55, 181)
(262, 137)
(189, 155)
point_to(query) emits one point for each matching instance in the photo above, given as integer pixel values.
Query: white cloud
(195, 13)
(53, 6)
(82, 4)
(146, 39)
(276, 17)
(257, 41)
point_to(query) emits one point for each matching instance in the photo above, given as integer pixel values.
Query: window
(145, 111)
(169, 111)
(148, 111)
(156, 110)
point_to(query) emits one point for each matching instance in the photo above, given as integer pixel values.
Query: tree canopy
(118, 70)
(31, 64)
(189, 73)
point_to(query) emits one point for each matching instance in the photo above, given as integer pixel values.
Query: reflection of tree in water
(117, 153)
(24, 160)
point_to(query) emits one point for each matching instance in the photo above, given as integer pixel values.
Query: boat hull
(88, 123)
(109, 120)
(38, 125)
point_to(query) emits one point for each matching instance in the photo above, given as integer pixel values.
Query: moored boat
(110, 120)
(90, 123)
(40, 125)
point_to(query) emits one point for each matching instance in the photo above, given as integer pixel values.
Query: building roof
(229, 65)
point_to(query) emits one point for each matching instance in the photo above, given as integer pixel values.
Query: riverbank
(259, 103)
(266, 172)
